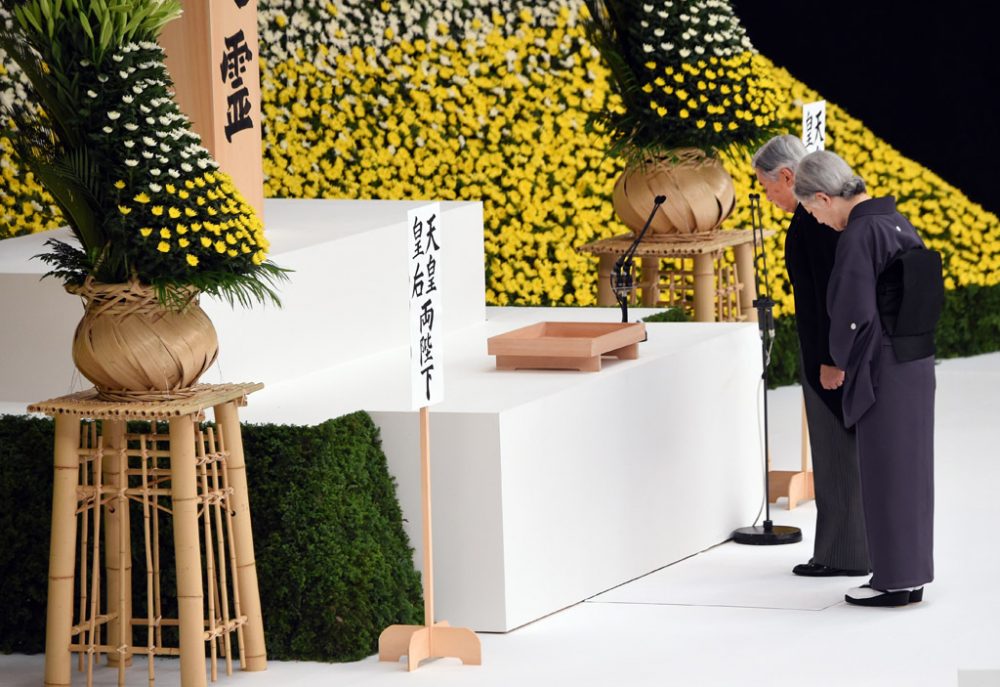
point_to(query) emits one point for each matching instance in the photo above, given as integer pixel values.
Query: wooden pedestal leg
(650, 281)
(190, 600)
(744, 275)
(431, 640)
(62, 553)
(704, 288)
(605, 296)
(228, 420)
(117, 544)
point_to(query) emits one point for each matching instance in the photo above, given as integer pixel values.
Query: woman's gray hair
(825, 172)
(781, 152)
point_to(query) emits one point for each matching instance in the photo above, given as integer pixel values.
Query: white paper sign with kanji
(814, 125)
(426, 368)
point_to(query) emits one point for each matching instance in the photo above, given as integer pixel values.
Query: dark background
(922, 76)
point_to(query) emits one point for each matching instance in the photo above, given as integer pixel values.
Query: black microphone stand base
(767, 535)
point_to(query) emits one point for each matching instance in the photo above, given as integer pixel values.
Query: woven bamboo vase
(700, 196)
(134, 349)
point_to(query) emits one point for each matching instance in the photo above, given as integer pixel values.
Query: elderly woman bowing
(888, 394)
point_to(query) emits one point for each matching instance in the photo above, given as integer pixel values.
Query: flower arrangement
(687, 75)
(104, 136)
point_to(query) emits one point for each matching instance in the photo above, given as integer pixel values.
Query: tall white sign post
(814, 125)
(430, 640)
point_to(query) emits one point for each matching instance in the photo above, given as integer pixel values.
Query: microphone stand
(621, 275)
(769, 533)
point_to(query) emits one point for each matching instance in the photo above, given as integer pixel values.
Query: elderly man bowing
(810, 248)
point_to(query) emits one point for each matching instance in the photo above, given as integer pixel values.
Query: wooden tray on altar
(566, 345)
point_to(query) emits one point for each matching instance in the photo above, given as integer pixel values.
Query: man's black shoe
(817, 570)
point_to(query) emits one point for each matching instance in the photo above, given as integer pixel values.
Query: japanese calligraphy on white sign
(814, 125)
(424, 239)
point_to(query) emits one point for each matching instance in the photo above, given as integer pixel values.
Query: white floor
(734, 615)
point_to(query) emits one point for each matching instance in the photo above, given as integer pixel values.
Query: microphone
(621, 276)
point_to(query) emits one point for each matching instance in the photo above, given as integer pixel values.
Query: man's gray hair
(825, 172)
(779, 153)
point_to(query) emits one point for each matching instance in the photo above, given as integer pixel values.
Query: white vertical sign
(426, 368)
(814, 125)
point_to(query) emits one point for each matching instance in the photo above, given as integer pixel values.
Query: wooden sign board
(814, 125)
(424, 250)
(214, 60)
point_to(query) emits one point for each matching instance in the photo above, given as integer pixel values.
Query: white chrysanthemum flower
(91, 94)
(114, 115)
(647, 48)
(155, 172)
(102, 78)
(148, 155)
(131, 163)
(129, 144)
(148, 141)
(186, 167)
(684, 52)
(132, 127)
(155, 188)
(174, 173)
(108, 130)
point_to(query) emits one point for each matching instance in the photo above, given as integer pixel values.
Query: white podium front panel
(552, 486)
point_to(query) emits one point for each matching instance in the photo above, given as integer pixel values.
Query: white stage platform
(549, 486)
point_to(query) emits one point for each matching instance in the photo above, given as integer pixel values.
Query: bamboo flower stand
(432, 639)
(718, 292)
(107, 476)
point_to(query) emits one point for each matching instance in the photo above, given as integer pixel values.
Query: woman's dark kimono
(891, 404)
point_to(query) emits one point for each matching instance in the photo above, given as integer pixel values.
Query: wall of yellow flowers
(489, 100)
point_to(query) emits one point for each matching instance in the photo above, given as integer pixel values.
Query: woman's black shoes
(866, 596)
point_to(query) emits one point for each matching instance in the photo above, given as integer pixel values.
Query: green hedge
(333, 562)
(25, 507)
